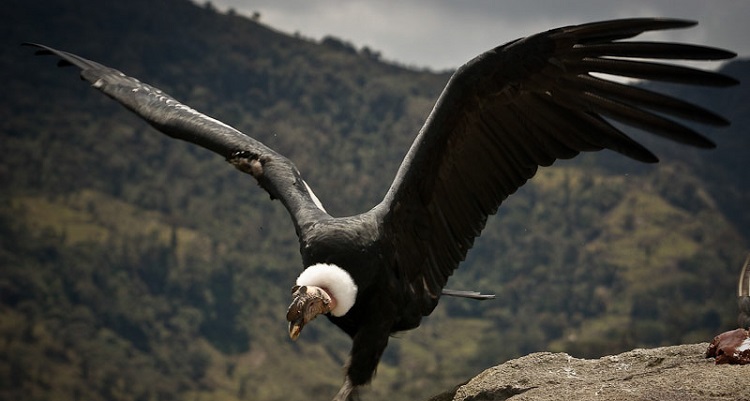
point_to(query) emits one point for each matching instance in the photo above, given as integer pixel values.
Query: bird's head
(321, 289)
(308, 302)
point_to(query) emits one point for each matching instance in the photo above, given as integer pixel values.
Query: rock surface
(670, 373)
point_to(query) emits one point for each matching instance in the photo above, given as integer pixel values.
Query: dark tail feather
(468, 294)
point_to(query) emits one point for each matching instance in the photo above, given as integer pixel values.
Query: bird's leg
(367, 348)
(348, 391)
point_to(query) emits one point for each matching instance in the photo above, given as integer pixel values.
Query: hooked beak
(308, 302)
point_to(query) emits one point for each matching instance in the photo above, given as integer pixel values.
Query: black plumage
(501, 116)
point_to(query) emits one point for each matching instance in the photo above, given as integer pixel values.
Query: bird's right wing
(274, 172)
(524, 105)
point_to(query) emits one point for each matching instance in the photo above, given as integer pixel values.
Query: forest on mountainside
(137, 267)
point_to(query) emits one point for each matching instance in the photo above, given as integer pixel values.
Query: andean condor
(502, 115)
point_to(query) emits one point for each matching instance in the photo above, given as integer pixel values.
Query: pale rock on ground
(670, 373)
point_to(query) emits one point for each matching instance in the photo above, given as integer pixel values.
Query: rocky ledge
(670, 373)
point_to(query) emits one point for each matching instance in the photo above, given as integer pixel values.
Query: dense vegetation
(135, 267)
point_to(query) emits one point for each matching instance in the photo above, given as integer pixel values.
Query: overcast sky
(443, 34)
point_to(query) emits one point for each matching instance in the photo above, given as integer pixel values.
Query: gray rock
(670, 373)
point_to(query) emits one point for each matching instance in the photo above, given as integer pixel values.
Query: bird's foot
(348, 392)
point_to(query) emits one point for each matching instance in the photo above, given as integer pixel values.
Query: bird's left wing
(520, 106)
(274, 172)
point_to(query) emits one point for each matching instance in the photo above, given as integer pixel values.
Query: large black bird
(502, 115)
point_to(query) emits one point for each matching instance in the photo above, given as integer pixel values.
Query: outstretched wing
(274, 172)
(520, 106)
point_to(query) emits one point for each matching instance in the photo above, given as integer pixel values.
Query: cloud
(444, 34)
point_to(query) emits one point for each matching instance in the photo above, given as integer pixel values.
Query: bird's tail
(468, 294)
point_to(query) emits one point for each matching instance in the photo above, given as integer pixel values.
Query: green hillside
(135, 267)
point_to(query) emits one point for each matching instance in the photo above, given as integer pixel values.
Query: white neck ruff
(336, 281)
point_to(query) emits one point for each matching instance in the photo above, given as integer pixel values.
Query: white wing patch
(314, 198)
